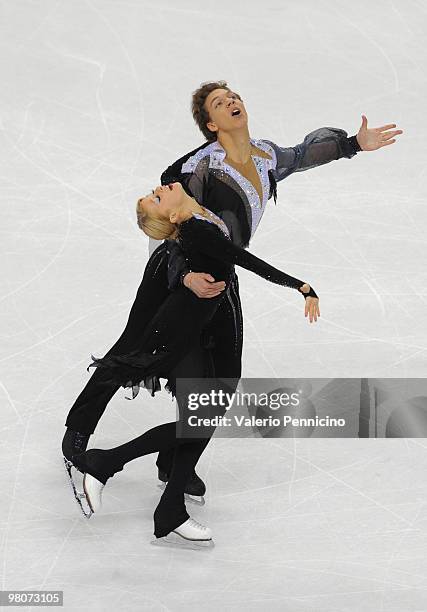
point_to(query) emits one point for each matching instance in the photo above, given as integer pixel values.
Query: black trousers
(225, 329)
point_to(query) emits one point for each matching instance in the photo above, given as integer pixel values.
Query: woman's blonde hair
(154, 226)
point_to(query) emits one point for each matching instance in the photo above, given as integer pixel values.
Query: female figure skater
(172, 335)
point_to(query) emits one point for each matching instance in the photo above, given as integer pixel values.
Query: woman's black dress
(178, 325)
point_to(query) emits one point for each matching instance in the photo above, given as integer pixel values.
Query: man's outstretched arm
(327, 144)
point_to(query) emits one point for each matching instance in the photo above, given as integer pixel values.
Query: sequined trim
(218, 222)
(240, 314)
(264, 146)
(192, 162)
(237, 317)
(160, 256)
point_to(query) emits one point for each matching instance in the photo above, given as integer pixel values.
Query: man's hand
(375, 138)
(203, 284)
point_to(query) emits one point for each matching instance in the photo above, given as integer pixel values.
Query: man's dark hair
(200, 114)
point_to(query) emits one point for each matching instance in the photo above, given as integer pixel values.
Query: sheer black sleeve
(177, 265)
(319, 147)
(207, 239)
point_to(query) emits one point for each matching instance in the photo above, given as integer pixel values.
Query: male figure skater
(233, 175)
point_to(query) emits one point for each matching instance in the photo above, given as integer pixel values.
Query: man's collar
(218, 154)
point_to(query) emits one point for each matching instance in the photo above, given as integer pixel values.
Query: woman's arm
(209, 240)
(319, 147)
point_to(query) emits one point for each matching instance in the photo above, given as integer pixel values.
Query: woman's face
(163, 200)
(226, 110)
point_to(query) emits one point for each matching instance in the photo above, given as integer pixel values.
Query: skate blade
(194, 499)
(174, 540)
(80, 497)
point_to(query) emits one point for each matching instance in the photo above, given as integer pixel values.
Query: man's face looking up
(226, 110)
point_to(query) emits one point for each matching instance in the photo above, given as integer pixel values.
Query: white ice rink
(95, 103)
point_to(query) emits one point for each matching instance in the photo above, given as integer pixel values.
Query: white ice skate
(93, 489)
(90, 499)
(190, 534)
(192, 530)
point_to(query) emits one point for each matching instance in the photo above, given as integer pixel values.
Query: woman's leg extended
(92, 401)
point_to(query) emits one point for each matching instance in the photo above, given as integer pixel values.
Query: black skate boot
(74, 443)
(194, 489)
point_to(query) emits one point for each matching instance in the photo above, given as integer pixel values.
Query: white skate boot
(90, 500)
(93, 490)
(192, 530)
(190, 534)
